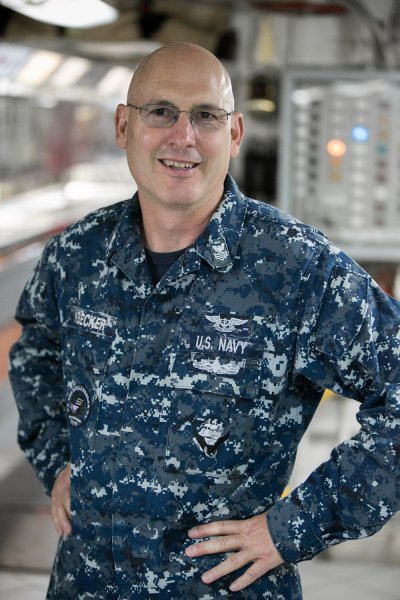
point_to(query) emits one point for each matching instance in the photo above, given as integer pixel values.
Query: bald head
(178, 57)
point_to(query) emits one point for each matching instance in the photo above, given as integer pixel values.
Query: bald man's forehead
(180, 51)
(192, 66)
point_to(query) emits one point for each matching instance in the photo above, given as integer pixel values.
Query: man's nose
(183, 126)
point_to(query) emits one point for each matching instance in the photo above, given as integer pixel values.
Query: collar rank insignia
(220, 253)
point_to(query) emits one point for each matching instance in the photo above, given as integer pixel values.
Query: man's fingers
(60, 513)
(60, 517)
(216, 528)
(229, 565)
(256, 570)
(214, 546)
(247, 542)
(60, 503)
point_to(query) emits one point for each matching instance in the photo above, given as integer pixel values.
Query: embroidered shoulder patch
(78, 406)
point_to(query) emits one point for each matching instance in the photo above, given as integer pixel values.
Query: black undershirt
(160, 262)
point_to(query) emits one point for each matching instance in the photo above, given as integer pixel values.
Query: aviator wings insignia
(224, 324)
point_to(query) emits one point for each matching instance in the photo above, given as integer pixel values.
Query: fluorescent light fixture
(115, 82)
(39, 67)
(308, 95)
(65, 13)
(70, 72)
(261, 105)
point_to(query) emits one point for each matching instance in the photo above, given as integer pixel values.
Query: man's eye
(206, 115)
(161, 111)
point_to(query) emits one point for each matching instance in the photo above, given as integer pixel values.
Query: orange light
(336, 148)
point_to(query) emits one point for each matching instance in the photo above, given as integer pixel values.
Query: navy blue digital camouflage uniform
(185, 402)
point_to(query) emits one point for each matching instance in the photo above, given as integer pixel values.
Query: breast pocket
(211, 429)
(87, 338)
(85, 353)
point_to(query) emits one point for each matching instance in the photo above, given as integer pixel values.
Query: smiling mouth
(181, 166)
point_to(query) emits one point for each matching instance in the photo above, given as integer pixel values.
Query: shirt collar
(217, 245)
(125, 248)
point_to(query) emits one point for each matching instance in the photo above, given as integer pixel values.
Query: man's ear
(121, 126)
(237, 133)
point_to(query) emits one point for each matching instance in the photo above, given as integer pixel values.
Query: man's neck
(172, 231)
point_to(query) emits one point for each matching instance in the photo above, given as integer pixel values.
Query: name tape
(88, 320)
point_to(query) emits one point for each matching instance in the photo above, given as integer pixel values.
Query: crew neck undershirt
(160, 262)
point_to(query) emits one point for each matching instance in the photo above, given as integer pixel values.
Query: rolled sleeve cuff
(292, 532)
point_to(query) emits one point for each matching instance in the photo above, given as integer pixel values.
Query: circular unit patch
(78, 406)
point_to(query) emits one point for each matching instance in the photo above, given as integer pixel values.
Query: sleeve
(36, 374)
(350, 343)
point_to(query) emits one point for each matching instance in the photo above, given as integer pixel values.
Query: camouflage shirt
(185, 402)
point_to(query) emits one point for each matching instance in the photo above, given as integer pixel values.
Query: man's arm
(36, 374)
(353, 348)
(350, 343)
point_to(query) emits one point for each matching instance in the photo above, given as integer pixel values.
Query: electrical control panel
(339, 160)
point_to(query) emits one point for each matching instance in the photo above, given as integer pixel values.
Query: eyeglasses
(203, 118)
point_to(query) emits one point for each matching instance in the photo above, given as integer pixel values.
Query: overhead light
(40, 66)
(70, 72)
(115, 82)
(263, 95)
(65, 13)
(261, 105)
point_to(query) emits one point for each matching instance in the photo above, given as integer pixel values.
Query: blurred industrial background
(319, 85)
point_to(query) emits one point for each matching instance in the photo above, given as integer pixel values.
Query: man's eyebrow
(161, 101)
(166, 102)
(205, 105)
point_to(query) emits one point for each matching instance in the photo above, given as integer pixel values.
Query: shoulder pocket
(342, 313)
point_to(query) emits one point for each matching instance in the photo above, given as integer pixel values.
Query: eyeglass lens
(164, 115)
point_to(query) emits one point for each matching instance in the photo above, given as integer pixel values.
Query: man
(175, 348)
